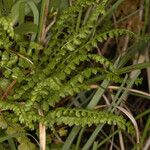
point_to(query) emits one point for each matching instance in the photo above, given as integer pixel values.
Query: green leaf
(14, 14)
(26, 28)
(22, 12)
(36, 16)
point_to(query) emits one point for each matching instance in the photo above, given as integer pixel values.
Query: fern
(6, 25)
(46, 74)
(16, 131)
(82, 118)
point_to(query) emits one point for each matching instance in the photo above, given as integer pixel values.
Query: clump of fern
(45, 74)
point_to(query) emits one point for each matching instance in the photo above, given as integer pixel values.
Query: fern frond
(67, 14)
(113, 33)
(73, 39)
(82, 117)
(45, 75)
(28, 118)
(6, 25)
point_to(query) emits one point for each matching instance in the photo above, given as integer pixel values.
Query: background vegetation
(74, 74)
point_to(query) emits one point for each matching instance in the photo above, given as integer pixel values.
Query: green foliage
(46, 73)
(85, 117)
(16, 131)
(45, 76)
(53, 82)
(6, 26)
